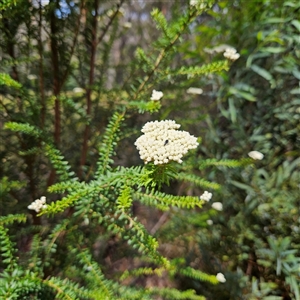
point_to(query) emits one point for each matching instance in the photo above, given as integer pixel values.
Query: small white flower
(206, 196)
(194, 90)
(256, 155)
(38, 204)
(156, 95)
(231, 54)
(217, 206)
(209, 222)
(220, 277)
(193, 2)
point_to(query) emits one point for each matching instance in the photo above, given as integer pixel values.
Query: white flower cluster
(206, 196)
(256, 155)
(38, 204)
(162, 142)
(220, 277)
(231, 54)
(156, 95)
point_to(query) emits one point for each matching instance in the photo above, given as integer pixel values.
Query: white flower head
(194, 90)
(231, 54)
(206, 196)
(256, 155)
(217, 206)
(209, 222)
(38, 204)
(162, 142)
(156, 95)
(220, 277)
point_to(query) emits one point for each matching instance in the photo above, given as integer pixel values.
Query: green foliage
(107, 148)
(23, 128)
(6, 80)
(165, 201)
(101, 206)
(206, 69)
(198, 181)
(228, 163)
(76, 86)
(256, 103)
(6, 220)
(198, 275)
(60, 165)
(7, 250)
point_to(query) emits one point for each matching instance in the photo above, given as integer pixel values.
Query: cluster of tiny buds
(38, 204)
(231, 54)
(162, 142)
(156, 95)
(206, 196)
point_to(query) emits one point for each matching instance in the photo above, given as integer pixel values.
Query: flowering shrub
(67, 121)
(74, 93)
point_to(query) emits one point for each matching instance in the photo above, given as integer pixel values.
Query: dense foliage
(76, 80)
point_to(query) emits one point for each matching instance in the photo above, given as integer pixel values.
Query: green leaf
(296, 73)
(273, 49)
(262, 72)
(232, 110)
(296, 23)
(275, 20)
(242, 94)
(242, 186)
